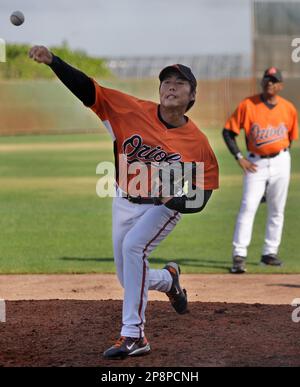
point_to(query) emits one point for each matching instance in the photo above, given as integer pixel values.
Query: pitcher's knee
(130, 249)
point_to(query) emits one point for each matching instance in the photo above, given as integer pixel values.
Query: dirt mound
(75, 333)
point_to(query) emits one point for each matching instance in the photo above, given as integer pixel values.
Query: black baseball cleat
(238, 265)
(127, 346)
(176, 294)
(271, 260)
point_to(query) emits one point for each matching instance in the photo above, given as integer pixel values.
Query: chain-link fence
(203, 66)
(48, 107)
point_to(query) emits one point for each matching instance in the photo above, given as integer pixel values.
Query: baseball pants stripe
(136, 227)
(145, 266)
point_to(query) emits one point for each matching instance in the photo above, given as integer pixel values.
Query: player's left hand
(247, 166)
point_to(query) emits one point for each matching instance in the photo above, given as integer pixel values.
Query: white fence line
(2, 311)
(203, 66)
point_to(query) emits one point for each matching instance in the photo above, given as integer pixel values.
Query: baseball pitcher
(147, 133)
(270, 123)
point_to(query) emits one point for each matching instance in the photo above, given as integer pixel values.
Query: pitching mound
(75, 333)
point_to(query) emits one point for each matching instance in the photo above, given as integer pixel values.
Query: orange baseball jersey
(268, 130)
(141, 136)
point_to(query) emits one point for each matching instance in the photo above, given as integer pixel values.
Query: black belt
(270, 156)
(140, 200)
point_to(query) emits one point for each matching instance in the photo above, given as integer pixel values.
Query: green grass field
(52, 221)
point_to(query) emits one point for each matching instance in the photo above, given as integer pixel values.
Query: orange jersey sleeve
(237, 121)
(112, 103)
(294, 129)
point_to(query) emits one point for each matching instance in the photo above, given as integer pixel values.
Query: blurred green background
(52, 221)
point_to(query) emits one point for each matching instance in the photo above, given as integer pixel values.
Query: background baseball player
(270, 123)
(146, 132)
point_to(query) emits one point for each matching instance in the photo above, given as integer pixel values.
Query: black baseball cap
(273, 72)
(183, 70)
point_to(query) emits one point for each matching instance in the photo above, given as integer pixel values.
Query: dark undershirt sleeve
(76, 81)
(229, 138)
(179, 203)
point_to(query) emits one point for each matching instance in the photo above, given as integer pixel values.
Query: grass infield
(52, 221)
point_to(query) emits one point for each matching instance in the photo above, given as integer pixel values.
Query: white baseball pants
(273, 173)
(137, 230)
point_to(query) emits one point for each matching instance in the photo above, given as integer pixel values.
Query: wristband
(55, 60)
(239, 156)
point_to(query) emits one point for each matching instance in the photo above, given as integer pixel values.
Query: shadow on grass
(87, 259)
(187, 262)
(293, 286)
